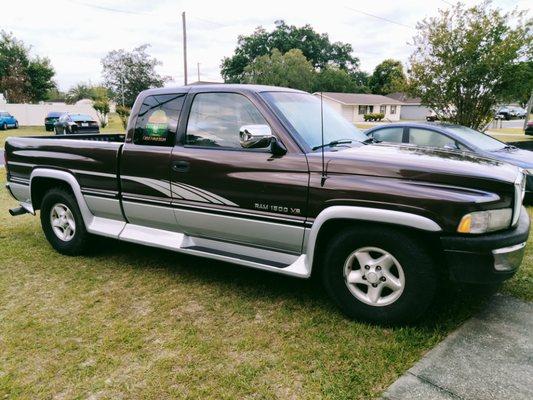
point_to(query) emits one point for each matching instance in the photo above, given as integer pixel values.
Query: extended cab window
(157, 120)
(216, 118)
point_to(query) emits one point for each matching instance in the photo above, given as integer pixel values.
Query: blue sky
(76, 34)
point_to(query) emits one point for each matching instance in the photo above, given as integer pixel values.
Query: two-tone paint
(250, 206)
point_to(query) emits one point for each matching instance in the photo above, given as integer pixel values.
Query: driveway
(489, 357)
(1, 158)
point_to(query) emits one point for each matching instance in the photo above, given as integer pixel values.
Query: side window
(216, 118)
(157, 120)
(391, 135)
(424, 137)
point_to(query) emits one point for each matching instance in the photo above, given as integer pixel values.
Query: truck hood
(421, 164)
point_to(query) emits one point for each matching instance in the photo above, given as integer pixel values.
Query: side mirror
(255, 136)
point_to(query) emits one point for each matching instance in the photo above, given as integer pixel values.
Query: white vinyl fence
(34, 114)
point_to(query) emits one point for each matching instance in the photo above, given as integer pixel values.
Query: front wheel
(62, 222)
(379, 274)
(16, 125)
(4, 126)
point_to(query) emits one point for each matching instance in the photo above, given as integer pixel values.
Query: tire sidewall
(78, 242)
(417, 265)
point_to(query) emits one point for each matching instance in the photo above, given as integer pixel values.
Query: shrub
(102, 110)
(124, 113)
(374, 117)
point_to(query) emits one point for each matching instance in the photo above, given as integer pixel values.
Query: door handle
(180, 166)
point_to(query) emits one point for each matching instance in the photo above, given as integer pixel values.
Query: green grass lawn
(133, 322)
(114, 126)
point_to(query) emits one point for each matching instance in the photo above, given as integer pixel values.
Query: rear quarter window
(157, 121)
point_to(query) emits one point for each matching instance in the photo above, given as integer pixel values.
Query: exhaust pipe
(17, 211)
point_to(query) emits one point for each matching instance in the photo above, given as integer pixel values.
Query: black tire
(4, 126)
(16, 125)
(80, 240)
(419, 272)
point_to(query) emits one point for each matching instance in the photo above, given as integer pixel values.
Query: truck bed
(92, 158)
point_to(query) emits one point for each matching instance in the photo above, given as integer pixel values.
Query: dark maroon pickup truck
(262, 177)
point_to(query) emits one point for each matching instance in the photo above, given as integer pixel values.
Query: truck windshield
(302, 112)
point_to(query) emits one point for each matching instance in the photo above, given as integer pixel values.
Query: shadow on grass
(453, 305)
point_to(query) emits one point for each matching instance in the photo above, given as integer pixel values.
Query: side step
(269, 260)
(233, 255)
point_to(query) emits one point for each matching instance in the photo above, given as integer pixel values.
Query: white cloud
(76, 34)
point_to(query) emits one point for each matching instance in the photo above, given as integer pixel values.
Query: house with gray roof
(412, 109)
(353, 106)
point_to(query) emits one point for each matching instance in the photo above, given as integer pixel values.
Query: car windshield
(476, 138)
(302, 112)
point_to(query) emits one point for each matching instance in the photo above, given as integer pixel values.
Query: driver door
(226, 192)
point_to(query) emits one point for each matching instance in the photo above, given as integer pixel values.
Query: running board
(268, 260)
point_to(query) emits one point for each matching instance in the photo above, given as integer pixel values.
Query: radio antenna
(323, 179)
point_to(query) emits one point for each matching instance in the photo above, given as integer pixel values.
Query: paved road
(1, 158)
(489, 357)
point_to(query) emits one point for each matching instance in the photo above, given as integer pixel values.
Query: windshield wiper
(509, 147)
(371, 140)
(334, 143)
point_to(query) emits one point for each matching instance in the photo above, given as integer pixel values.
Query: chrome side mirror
(255, 136)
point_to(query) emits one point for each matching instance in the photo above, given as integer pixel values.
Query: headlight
(485, 221)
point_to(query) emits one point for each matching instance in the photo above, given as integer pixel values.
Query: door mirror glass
(255, 136)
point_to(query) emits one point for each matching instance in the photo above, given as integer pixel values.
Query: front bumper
(489, 258)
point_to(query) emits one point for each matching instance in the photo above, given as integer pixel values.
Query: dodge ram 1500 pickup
(271, 178)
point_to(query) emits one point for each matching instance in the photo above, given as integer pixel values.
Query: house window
(393, 109)
(383, 109)
(366, 110)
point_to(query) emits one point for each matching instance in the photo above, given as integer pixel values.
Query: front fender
(392, 217)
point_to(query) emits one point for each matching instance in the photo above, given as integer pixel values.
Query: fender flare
(68, 178)
(399, 218)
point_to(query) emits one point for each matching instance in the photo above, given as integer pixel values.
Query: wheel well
(39, 187)
(331, 227)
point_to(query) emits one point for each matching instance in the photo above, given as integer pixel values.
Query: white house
(353, 106)
(411, 107)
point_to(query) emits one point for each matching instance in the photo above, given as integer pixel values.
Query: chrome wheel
(374, 276)
(62, 221)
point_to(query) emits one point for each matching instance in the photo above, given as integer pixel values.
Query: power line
(80, 3)
(381, 18)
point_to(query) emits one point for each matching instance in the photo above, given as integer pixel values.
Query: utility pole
(198, 68)
(184, 48)
(528, 110)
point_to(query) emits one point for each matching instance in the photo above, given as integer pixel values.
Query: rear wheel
(16, 125)
(379, 275)
(4, 126)
(62, 222)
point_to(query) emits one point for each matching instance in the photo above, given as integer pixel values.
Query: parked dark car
(7, 121)
(253, 175)
(529, 128)
(456, 137)
(51, 119)
(69, 124)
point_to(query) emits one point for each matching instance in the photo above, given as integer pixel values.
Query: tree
(23, 78)
(102, 110)
(78, 92)
(291, 69)
(87, 91)
(520, 83)
(128, 73)
(332, 79)
(315, 47)
(465, 58)
(388, 77)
